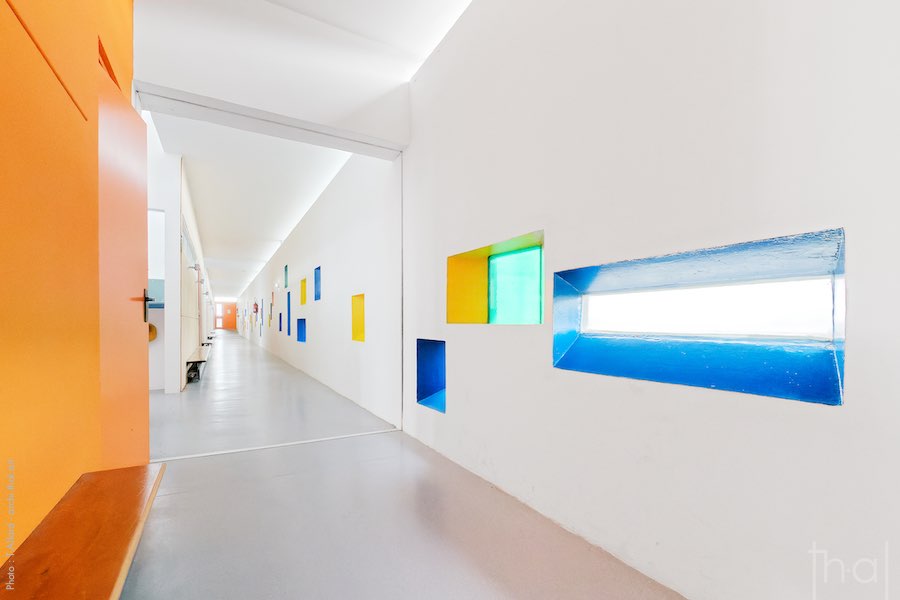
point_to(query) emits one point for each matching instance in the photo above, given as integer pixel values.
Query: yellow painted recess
(467, 278)
(302, 292)
(358, 303)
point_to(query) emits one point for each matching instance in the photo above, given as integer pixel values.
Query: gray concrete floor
(373, 517)
(377, 517)
(247, 398)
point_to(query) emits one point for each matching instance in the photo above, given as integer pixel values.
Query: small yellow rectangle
(358, 305)
(302, 292)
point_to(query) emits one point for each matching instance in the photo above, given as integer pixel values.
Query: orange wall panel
(64, 32)
(49, 384)
(54, 426)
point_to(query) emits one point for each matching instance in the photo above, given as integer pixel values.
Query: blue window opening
(317, 283)
(763, 318)
(279, 321)
(301, 330)
(289, 314)
(431, 374)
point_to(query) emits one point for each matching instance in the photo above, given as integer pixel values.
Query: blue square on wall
(301, 330)
(431, 374)
(317, 283)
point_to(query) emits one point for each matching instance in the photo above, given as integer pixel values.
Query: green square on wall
(516, 287)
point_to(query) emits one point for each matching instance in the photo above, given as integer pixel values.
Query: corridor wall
(53, 423)
(352, 235)
(626, 130)
(196, 303)
(164, 183)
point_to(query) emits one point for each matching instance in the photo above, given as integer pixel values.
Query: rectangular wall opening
(431, 374)
(301, 330)
(317, 284)
(763, 318)
(358, 317)
(500, 284)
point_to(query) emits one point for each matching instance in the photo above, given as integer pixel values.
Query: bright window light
(796, 308)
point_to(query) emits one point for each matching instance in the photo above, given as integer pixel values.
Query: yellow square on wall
(302, 292)
(358, 306)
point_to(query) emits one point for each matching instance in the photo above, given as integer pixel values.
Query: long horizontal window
(800, 308)
(762, 318)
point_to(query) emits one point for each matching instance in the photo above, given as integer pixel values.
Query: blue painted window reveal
(762, 318)
(301, 330)
(431, 374)
(289, 314)
(317, 283)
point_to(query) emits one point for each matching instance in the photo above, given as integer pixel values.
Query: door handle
(147, 299)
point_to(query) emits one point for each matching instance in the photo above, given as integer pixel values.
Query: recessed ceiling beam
(178, 103)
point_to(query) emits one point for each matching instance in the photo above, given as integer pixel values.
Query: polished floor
(377, 516)
(248, 398)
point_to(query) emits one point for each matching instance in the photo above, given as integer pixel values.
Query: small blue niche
(317, 283)
(301, 330)
(657, 319)
(431, 374)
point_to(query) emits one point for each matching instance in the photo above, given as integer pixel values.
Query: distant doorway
(226, 315)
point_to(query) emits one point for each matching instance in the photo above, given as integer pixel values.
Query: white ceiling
(339, 63)
(249, 192)
(343, 65)
(414, 27)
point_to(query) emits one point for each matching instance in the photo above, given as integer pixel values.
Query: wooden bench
(84, 547)
(200, 356)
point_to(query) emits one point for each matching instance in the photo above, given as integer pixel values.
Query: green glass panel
(516, 287)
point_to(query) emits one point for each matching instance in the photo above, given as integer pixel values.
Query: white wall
(353, 233)
(196, 295)
(631, 129)
(164, 193)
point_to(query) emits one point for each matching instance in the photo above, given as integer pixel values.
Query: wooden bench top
(84, 547)
(200, 355)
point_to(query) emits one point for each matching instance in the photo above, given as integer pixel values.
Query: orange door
(124, 379)
(229, 316)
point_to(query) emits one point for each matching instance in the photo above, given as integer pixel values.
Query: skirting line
(326, 439)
